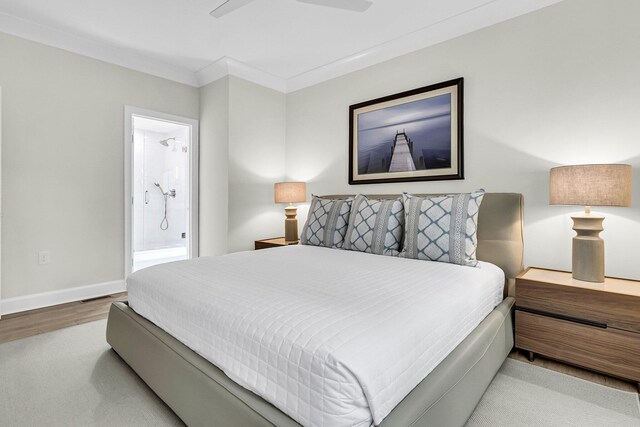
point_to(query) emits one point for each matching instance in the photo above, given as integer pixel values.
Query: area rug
(525, 395)
(71, 377)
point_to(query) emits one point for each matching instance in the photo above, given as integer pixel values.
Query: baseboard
(47, 299)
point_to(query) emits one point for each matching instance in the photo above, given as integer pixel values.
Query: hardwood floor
(26, 324)
(34, 322)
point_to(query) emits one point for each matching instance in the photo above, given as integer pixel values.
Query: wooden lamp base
(291, 224)
(588, 248)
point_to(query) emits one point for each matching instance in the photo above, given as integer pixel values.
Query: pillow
(375, 226)
(442, 228)
(326, 223)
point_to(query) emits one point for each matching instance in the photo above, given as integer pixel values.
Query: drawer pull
(563, 317)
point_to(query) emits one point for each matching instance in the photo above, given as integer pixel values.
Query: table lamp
(290, 192)
(589, 185)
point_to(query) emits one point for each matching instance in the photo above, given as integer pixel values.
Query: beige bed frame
(202, 395)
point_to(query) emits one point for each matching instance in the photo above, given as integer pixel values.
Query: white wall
(242, 140)
(554, 87)
(214, 168)
(62, 172)
(256, 162)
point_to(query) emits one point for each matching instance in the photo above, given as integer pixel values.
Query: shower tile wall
(167, 166)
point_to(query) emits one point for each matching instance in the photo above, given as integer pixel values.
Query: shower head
(165, 142)
(160, 188)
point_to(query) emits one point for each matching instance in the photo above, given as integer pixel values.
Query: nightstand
(591, 325)
(273, 243)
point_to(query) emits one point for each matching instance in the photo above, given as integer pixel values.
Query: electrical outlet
(44, 257)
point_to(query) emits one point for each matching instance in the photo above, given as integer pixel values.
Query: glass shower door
(160, 214)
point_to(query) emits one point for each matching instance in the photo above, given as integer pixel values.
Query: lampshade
(290, 192)
(591, 185)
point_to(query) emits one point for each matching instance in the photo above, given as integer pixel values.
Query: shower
(161, 180)
(164, 224)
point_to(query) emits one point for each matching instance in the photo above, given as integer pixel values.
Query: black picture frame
(377, 156)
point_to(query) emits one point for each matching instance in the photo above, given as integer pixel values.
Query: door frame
(193, 124)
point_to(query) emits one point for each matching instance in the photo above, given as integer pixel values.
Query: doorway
(160, 188)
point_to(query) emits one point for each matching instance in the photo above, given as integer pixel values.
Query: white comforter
(331, 337)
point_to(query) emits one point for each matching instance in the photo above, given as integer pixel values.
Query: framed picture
(410, 136)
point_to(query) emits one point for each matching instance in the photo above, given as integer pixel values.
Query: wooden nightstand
(591, 325)
(273, 243)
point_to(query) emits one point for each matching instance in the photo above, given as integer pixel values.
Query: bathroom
(160, 192)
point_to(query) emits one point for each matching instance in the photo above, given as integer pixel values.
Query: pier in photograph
(402, 158)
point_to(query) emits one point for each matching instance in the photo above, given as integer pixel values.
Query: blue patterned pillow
(442, 228)
(326, 223)
(375, 226)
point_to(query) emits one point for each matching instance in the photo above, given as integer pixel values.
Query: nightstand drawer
(606, 350)
(612, 309)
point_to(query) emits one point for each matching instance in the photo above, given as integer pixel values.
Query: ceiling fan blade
(355, 5)
(228, 7)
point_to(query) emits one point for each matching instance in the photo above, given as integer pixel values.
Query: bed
(202, 394)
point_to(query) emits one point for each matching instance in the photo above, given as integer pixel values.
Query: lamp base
(588, 248)
(291, 224)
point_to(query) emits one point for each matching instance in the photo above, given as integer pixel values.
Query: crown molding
(212, 72)
(101, 51)
(229, 66)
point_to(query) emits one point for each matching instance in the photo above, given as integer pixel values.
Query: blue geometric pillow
(326, 223)
(375, 226)
(442, 228)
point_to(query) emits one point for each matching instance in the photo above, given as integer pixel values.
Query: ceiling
(283, 44)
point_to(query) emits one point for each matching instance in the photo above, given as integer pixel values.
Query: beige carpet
(71, 377)
(525, 395)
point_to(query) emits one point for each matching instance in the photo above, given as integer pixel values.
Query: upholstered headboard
(500, 232)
